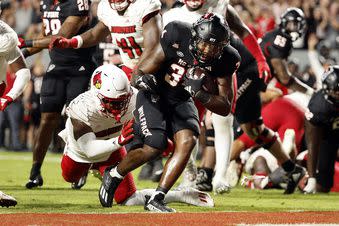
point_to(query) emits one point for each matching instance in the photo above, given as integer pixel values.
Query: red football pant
(291, 117)
(72, 171)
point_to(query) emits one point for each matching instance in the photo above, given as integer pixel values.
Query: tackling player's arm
(249, 40)
(91, 146)
(284, 76)
(69, 28)
(151, 34)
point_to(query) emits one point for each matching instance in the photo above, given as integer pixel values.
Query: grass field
(57, 197)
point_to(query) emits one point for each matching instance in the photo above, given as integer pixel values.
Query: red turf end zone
(208, 218)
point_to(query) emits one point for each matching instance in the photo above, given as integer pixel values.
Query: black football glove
(147, 82)
(193, 81)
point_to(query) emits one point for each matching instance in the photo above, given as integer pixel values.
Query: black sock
(288, 166)
(35, 170)
(162, 190)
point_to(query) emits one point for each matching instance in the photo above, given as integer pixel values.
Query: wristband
(28, 43)
(80, 41)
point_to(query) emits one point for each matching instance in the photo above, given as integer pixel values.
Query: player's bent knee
(157, 140)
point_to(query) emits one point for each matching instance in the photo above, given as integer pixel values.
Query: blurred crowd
(319, 46)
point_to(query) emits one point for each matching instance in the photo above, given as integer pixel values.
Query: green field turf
(57, 197)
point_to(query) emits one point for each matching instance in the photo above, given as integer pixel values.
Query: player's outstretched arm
(250, 41)
(91, 146)
(284, 76)
(68, 29)
(88, 39)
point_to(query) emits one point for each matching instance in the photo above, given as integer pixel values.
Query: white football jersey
(126, 29)
(9, 51)
(184, 15)
(87, 109)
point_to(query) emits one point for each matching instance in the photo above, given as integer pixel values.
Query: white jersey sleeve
(8, 39)
(87, 109)
(153, 7)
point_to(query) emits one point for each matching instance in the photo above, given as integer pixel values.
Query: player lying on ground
(99, 124)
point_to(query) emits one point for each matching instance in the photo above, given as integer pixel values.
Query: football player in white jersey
(99, 124)
(135, 27)
(190, 12)
(10, 55)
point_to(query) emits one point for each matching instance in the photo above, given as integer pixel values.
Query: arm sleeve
(22, 78)
(93, 147)
(152, 9)
(316, 67)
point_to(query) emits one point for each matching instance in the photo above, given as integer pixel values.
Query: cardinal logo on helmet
(97, 80)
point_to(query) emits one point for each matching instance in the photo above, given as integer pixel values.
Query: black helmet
(296, 16)
(210, 34)
(330, 82)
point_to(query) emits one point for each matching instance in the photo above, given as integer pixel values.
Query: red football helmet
(194, 4)
(119, 5)
(113, 88)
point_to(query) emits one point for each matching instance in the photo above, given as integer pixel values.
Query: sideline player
(99, 124)
(135, 27)
(67, 75)
(322, 132)
(164, 106)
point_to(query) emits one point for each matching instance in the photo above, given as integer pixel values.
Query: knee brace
(209, 135)
(157, 139)
(265, 139)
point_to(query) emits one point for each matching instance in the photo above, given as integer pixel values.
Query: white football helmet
(120, 5)
(113, 88)
(194, 4)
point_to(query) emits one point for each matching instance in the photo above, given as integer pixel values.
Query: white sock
(223, 131)
(114, 173)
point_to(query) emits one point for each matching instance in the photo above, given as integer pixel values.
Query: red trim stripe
(149, 16)
(235, 88)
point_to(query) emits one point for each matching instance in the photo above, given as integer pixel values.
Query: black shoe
(158, 168)
(146, 171)
(107, 189)
(7, 200)
(157, 204)
(82, 181)
(204, 179)
(35, 181)
(293, 179)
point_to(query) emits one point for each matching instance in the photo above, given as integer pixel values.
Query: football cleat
(157, 204)
(221, 188)
(197, 198)
(82, 181)
(107, 189)
(204, 179)
(293, 179)
(34, 182)
(7, 200)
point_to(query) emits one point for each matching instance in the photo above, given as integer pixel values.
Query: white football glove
(311, 186)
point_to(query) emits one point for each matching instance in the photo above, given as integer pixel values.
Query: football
(210, 85)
